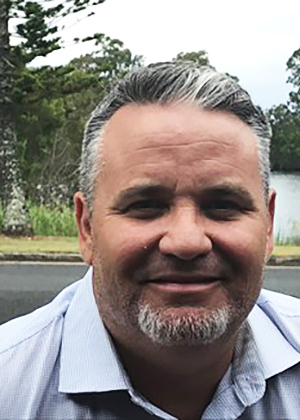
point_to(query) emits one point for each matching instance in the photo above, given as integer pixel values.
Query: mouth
(185, 284)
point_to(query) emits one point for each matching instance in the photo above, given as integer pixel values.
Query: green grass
(47, 221)
(53, 221)
(286, 251)
(39, 244)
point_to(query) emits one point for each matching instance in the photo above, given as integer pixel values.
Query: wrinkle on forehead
(188, 139)
(172, 120)
(148, 142)
(209, 154)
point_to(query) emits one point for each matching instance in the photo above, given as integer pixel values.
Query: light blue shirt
(60, 363)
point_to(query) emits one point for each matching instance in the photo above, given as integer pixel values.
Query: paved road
(24, 287)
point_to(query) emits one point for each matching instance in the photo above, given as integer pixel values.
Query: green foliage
(35, 31)
(49, 221)
(41, 25)
(199, 57)
(285, 144)
(293, 66)
(111, 60)
(53, 221)
(1, 217)
(22, 89)
(51, 107)
(293, 240)
(285, 122)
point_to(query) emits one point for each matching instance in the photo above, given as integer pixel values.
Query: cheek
(123, 240)
(244, 251)
(244, 243)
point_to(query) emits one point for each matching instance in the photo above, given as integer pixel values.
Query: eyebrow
(149, 191)
(233, 190)
(143, 191)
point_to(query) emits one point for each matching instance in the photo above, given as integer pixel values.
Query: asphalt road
(25, 287)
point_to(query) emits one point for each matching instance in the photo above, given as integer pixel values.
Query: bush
(48, 221)
(292, 240)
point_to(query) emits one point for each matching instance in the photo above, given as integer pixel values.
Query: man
(175, 218)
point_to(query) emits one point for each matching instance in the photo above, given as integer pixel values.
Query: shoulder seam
(33, 334)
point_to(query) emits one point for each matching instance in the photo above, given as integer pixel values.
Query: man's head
(176, 219)
(165, 83)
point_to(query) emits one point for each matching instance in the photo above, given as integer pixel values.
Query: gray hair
(172, 82)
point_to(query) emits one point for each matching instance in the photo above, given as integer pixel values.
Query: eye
(224, 209)
(146, 209)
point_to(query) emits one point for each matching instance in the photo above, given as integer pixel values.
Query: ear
(271, 212)
(84, 227)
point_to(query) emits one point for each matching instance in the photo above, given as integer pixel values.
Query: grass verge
(39, 244)
(286, 251)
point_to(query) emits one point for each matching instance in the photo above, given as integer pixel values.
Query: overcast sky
(252, 40)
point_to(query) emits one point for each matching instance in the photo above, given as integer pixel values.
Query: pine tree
(40, 34)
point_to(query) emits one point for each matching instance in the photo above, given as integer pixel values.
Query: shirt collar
(243, 384)
(88, 359)
(257, 356)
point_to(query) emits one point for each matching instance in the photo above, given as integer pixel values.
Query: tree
(199, 57)
(16, 219)
(53, 106)
(40, 35)
(293, 66)
(285, 144)
(285, 122)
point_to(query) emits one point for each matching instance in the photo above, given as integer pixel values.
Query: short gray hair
(172, 82)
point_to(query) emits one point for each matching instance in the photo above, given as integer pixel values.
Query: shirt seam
(279, 310)
(32, 335)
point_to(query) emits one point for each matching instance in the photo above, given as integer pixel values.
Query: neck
(181, 380)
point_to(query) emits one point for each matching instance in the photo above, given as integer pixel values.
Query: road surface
(26, 286)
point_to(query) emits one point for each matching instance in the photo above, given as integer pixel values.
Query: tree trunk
(16, 221)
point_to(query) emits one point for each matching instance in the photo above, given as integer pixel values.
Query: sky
(251, 40)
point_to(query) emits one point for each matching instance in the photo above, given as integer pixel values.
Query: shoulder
(30, 357)
(29, 327)
(275, 325)
(283, 312)
(278, 303)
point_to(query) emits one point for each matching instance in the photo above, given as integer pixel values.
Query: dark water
(287, 214)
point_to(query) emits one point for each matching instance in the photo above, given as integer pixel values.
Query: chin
(185, 326)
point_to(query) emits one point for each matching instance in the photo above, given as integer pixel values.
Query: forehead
(179, 131)
(134, 119)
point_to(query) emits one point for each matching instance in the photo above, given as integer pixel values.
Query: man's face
(180, 229)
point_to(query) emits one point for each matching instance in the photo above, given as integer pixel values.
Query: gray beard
(190, 328)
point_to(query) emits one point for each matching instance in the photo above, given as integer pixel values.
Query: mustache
(210, 266)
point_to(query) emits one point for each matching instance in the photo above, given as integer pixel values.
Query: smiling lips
(185, 284)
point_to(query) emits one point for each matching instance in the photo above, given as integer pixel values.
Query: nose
(185, 236)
